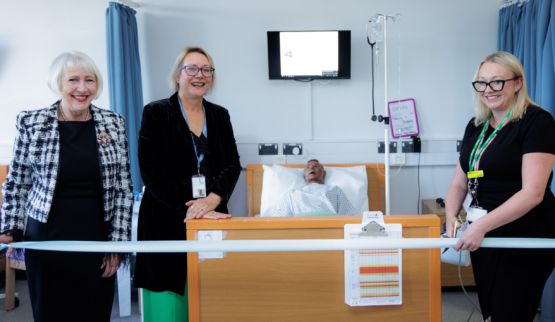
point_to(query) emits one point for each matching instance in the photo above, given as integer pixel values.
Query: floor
(23, 313)
(455, 307)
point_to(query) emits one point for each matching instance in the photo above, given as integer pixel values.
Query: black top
(76, 212)
(201, 143)
(502, 164)
(167, 161)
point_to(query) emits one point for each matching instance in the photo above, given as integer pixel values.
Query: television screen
(309, 54)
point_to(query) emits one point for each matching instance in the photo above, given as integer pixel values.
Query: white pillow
(279, 180)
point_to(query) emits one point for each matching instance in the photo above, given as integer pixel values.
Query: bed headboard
(374, 171)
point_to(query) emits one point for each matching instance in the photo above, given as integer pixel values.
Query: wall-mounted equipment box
(267, 149)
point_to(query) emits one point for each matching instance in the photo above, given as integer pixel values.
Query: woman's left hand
(215, 215)
(110, 264)
(471, 239)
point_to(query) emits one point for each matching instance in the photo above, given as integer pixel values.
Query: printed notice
(373, 276)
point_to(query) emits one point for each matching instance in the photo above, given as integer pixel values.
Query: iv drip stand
(384, 18)
(386, 129)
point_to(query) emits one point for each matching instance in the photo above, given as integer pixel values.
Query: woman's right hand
(6, 239)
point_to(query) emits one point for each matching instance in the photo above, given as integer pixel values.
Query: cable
(475, 307)
(418, 185)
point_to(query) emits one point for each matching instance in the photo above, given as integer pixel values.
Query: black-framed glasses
(192, 70)
(495, 85)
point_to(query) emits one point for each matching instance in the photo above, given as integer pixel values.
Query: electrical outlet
(407, 147)
(392, 147)
(292, 148)
(280, 159)
(412, 146)
(267, 149)
(397, 159)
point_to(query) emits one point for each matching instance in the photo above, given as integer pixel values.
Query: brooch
(103, 138)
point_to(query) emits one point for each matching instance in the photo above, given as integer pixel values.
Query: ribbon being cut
(292, 245)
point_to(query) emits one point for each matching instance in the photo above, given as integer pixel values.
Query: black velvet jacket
(167, 161)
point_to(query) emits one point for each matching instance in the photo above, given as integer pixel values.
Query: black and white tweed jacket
(30, 185)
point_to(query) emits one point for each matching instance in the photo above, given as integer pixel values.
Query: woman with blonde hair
(190, 164)
(503, 181)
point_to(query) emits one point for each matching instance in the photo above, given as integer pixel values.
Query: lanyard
(479, 148)
(204, 131)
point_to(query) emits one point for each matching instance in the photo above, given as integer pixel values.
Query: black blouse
(502, 166)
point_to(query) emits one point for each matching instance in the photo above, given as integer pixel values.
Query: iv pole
(381, 19)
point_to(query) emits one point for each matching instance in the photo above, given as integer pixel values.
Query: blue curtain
(528, 31)
(124, 75)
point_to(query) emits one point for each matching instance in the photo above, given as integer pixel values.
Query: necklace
(63, 116)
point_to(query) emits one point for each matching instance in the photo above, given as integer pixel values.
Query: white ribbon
(291, 245)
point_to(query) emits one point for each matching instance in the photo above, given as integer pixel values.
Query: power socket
(397, 159)
(412, 146)
(392, 147)
(280, 159)
(292, 148)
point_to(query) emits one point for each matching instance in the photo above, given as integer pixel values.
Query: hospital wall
(433, 48)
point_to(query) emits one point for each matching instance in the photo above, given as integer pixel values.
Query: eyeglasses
(495, 85)
(192, 70)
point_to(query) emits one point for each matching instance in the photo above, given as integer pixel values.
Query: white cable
(291, 245)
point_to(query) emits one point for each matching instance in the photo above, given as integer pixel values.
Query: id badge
(467, 201)
(475, 213)
(199, 186)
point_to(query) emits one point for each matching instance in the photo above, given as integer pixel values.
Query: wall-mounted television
(305, 55)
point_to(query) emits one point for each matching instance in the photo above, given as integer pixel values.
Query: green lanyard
(479, 148)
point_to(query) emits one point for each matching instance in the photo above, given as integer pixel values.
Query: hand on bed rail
(204, 208)
(210, 215)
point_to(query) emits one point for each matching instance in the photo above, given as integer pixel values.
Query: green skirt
(165, 306)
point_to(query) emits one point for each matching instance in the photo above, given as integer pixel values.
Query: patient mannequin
(315, 197)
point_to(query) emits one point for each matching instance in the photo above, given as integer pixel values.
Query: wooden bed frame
(374, 171)
(8, 265)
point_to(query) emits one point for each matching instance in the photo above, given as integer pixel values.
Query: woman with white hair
(69, 180)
